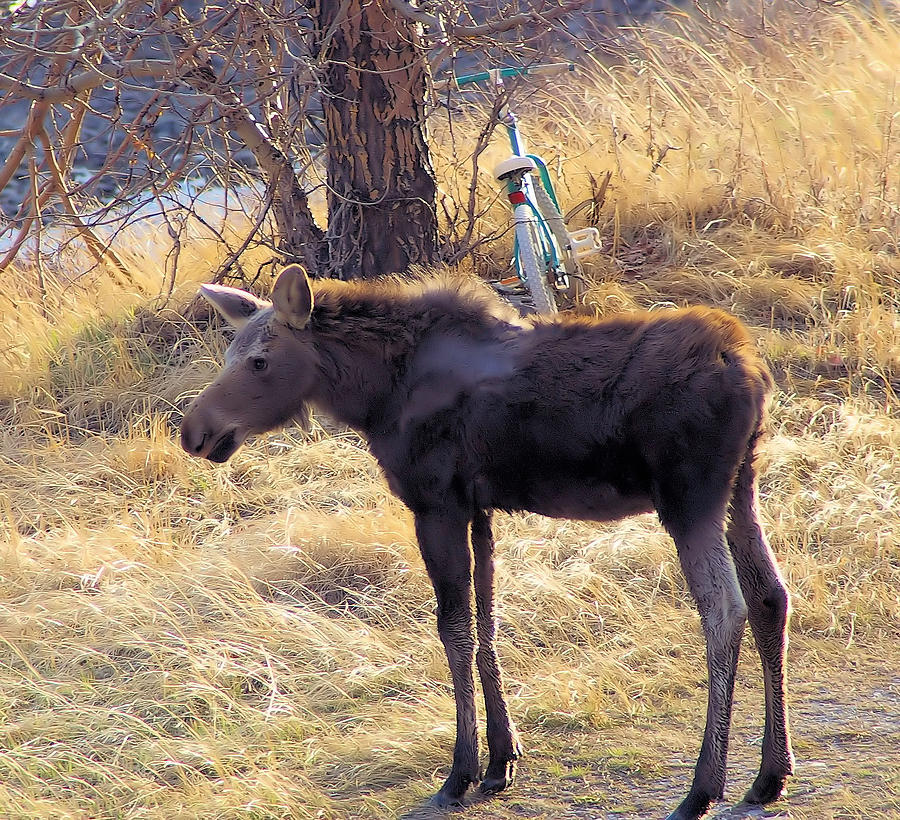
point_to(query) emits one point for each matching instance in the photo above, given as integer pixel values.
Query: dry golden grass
(180, 639)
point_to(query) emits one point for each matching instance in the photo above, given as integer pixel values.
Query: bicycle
(547, 257)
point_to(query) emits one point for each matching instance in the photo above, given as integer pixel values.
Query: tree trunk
(381, 187)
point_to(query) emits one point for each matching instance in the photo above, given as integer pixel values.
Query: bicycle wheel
(571, 295)
(533, 266)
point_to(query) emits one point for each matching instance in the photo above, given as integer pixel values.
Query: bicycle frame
(521, 186)
(549, 246)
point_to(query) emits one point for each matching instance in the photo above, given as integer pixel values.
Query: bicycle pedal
(585, 242)
(508, 287)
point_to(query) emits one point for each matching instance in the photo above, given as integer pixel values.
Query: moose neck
(363, 341)
(366, 334)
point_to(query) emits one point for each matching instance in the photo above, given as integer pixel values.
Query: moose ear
(292, 297)
(237, 306)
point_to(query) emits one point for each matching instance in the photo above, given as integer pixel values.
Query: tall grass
(180, 639)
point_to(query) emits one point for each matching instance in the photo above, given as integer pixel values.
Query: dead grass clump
(833, 469)
(344, 563)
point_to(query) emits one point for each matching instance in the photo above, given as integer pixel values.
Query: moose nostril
(191, 442)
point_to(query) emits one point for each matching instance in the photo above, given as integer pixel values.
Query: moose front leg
(444, 542)
(503, 741)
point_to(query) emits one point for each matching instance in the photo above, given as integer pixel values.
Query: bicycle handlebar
(508, 71)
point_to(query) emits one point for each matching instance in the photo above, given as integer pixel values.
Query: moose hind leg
(503, 741)
(768, 610)
(713, 583)
(444, 542)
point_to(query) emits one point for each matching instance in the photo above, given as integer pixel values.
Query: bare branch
(123, 102)
(101, 252)
(409, 11)
(36, 115)
(87, 80)
(491, 28)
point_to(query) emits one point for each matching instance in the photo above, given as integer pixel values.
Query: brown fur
(469, 408)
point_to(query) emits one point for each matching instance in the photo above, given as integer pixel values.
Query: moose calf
(469, 408)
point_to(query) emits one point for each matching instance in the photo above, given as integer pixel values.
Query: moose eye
(259, 363)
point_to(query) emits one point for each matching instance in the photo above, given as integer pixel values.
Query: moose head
(270, 368)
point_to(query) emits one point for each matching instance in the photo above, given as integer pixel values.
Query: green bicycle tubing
(549, 249)
(484, 76)
(509, 71)
(545, 178)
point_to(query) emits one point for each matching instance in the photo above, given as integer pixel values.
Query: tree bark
(381, 187)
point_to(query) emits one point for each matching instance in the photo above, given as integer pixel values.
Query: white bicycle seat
(514, 165)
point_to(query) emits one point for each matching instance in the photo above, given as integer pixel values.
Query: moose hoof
(498, 777)
(765, 789)
(693, 807)
(445, 801)
(453, 791)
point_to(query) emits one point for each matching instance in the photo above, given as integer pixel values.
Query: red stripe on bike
(517, 197)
